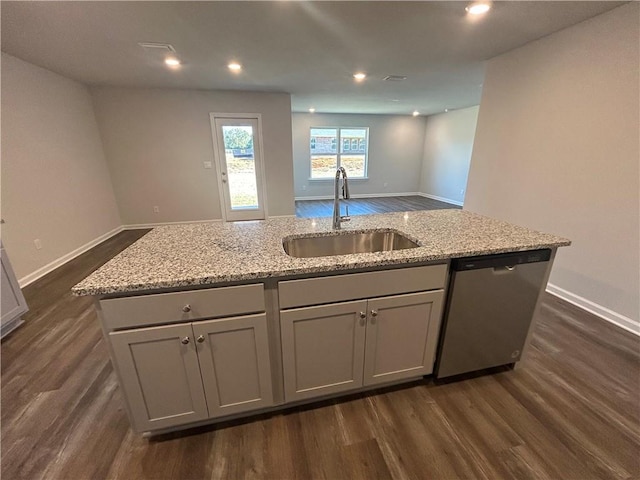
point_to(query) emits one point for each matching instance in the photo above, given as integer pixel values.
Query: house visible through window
(325, 157)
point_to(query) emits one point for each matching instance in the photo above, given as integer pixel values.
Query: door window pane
(241, 167)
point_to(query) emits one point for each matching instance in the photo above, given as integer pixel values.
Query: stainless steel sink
(346, 243)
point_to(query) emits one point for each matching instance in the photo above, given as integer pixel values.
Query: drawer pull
(185, 341)
(186, 308)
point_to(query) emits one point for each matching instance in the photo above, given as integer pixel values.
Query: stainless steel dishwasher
(490, 306)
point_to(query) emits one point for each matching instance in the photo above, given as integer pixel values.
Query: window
(325, 157)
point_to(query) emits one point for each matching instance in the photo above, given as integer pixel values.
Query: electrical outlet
(38, 243)
(385, 185)
(304, 187)
(207, 164)
(156, 209)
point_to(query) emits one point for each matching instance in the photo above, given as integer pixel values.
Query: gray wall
(55, 182)
(557, 149)
(448, 143)
(395, 153)
(156, 141)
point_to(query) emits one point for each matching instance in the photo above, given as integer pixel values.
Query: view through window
(339, 147)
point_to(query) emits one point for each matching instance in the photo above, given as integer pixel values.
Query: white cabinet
(322, 349)
(178, 374)
(402, 336)
(234, 362)
(339, 347)
(179, 369)
(13, 302)
(160, 376)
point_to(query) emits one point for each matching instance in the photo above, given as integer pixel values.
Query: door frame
(257, 143)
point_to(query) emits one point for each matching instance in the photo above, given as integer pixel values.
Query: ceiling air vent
(157, 47)
(394, 78)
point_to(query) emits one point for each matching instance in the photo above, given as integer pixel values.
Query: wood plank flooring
(364, 206)
(570, 412)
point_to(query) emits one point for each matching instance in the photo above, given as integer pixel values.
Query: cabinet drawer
(169, 307)
(338, 288)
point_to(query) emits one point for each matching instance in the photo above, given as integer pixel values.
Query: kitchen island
(207, 322)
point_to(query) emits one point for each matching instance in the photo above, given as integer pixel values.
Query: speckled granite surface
(205, 254)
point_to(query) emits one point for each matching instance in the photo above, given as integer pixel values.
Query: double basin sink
(346, 243)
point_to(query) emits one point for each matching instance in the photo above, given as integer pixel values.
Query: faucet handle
(346, 217)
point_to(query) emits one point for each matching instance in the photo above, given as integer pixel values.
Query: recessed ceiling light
(478, 8)
(416, 113)
(311, 110)
(359, 76)
(172, 61)
(234, 67)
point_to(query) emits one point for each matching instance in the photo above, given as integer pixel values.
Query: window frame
(340, 151)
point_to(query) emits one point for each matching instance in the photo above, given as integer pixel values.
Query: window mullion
(339, 149)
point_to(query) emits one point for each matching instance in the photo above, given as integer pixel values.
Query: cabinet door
(160, 376)
(235, 363)
(322, 349)
(13, 303)
(401, 336)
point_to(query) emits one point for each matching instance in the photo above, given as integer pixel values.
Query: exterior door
(235, 364)
(160, 376)
(237, 144)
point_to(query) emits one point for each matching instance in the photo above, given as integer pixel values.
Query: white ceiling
(309, 49)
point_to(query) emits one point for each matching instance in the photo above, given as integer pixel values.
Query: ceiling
(308, 49)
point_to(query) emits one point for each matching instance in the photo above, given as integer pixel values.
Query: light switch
(207, 164)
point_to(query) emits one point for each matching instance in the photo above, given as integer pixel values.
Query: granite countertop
(176, 256)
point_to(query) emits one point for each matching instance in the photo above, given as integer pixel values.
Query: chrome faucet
(337, 218)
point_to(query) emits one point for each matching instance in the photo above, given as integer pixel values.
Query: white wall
(557, 149)
(395, 153)
(156, 141)
(55, 182)
(448, 143)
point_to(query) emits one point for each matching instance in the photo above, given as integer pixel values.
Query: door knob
(186, 308)
(363, 315)
(185, 340)
(200, 339)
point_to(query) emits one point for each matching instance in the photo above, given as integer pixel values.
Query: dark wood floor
(570, 412)
(363, 206)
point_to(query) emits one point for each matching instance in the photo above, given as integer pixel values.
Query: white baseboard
(362, 195)
(441, 199)
(605, 313)
(41, 272)
(135, 226)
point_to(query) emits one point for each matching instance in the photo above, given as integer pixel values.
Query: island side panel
(536, 310)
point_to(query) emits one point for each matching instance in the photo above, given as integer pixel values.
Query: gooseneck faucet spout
(337, 218)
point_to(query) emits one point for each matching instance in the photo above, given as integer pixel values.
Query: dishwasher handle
(505, 270)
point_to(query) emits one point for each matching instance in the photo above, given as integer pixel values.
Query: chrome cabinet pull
(185, 340)
(374, 314)
(200, 339)
(186, 308)
(363, 316)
